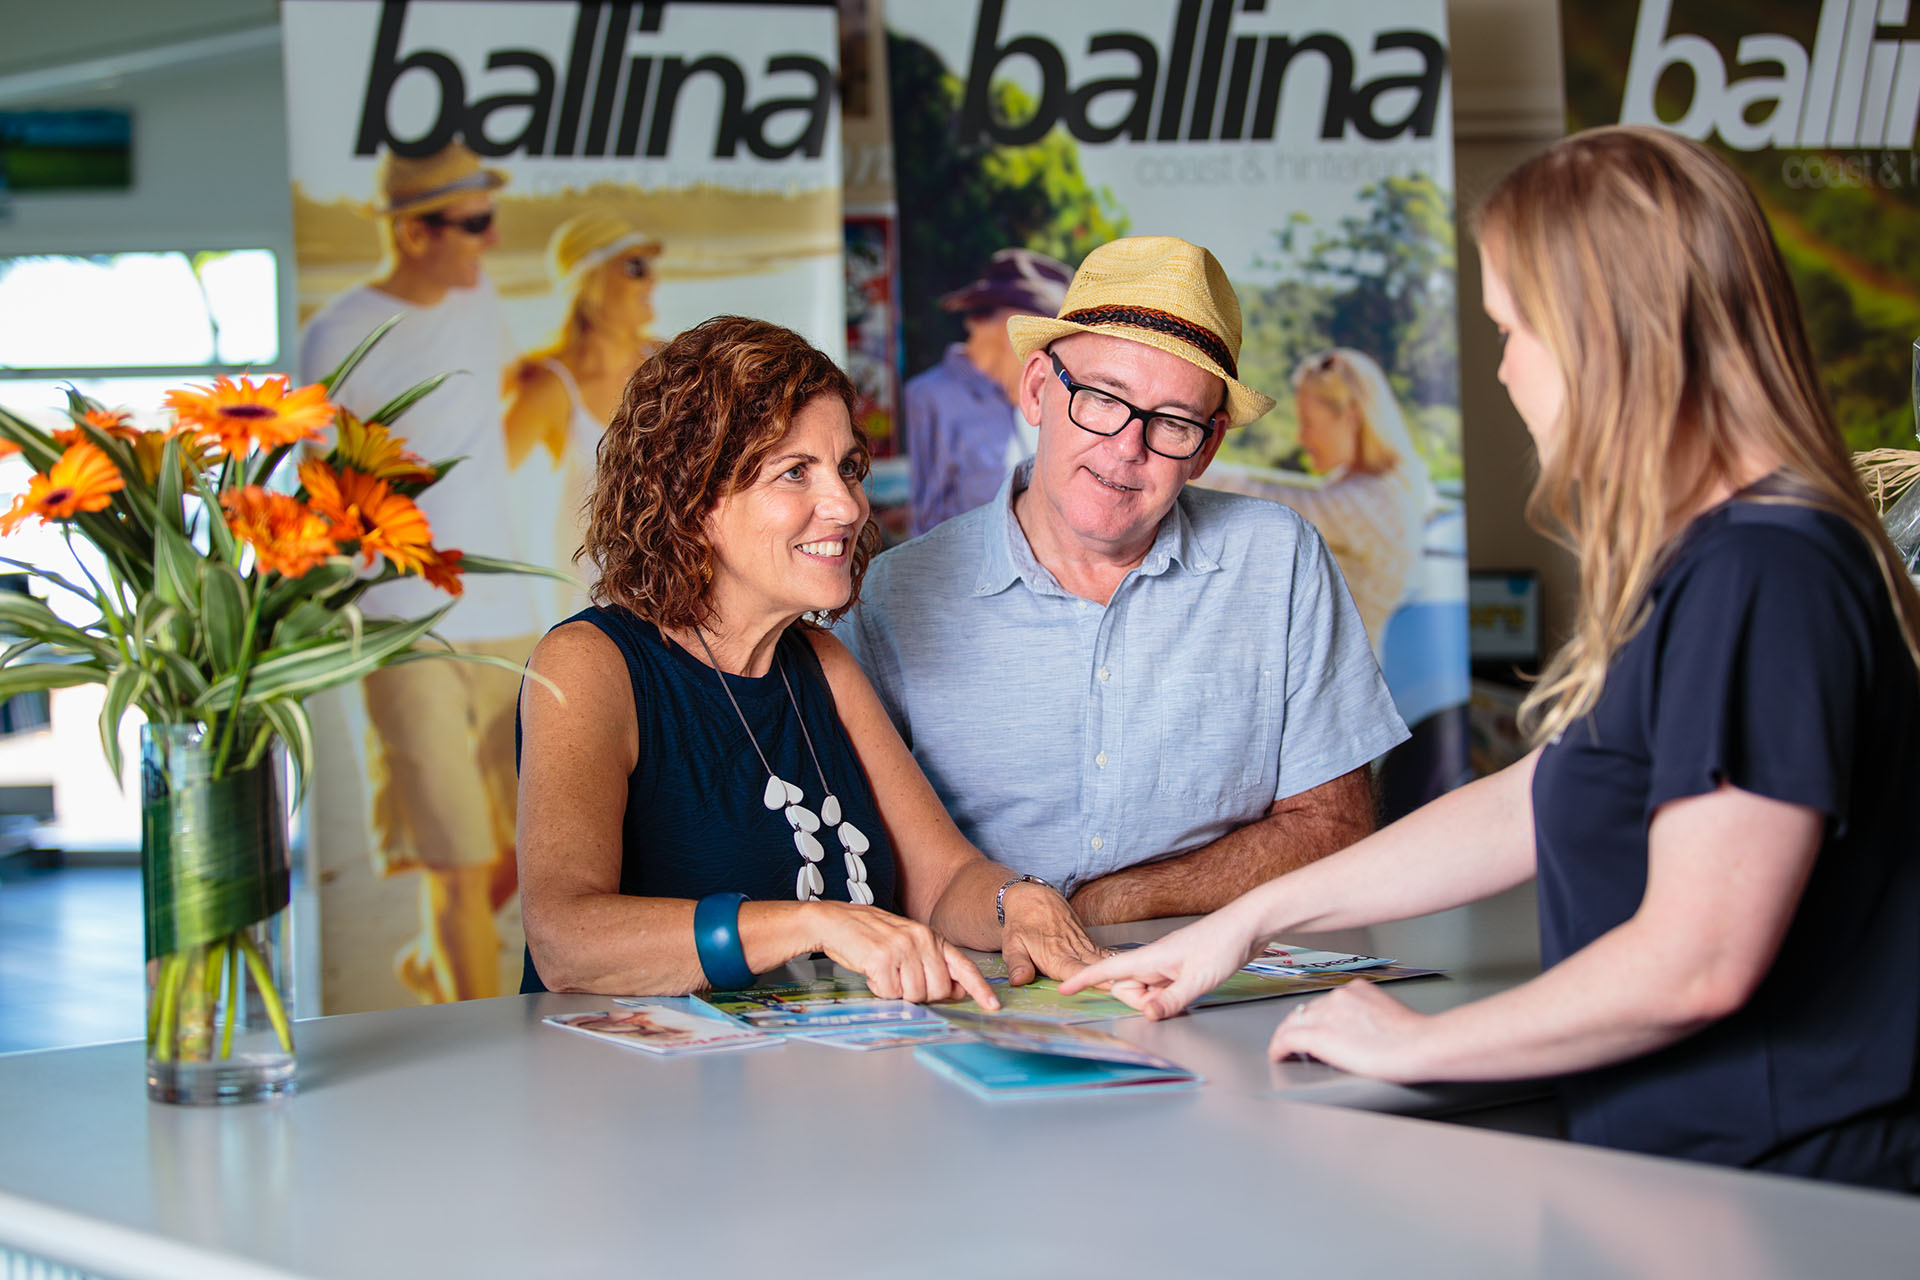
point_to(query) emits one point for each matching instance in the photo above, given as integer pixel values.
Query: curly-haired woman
(708, 785)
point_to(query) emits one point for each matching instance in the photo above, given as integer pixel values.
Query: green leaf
(487, 564)
(303, 622)
(321, 666)
(123, 686)
(176, 568)
(288, 593)
(186, 677)
(167, 490)
(24, 647)
(387, 413)
(31, 619)
(333, 380)
(48, 575)
(36, 446)
(223, 610)
(30, 677)
(218, 534)
(290, 720)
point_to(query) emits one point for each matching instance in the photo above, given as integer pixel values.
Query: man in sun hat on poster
(1149, 695)
(963, 430)
(442, 763)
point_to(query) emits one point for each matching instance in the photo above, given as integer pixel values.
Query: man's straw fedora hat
(1160, 291)
(412, 185)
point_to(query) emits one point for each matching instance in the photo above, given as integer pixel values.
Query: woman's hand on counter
(1356, 1027)
(901, 959)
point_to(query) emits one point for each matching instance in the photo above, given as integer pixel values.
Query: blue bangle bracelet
(716, 939)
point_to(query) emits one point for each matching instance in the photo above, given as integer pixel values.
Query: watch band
(1000, 898)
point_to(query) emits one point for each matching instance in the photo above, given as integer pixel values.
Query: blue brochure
(989, 1071)
(1028, 1058)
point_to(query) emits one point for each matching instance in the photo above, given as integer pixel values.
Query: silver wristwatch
(1000, 898)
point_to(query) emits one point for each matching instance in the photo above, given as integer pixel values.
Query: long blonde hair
(1344, 378)
(1647, 268)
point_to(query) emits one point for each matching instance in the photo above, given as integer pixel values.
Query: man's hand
(1042, 935)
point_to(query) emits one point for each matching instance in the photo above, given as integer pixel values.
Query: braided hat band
(1164, 293)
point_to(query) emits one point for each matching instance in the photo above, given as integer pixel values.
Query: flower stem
(242, 670)
(172, 970)
(236, 994)
(263, 978)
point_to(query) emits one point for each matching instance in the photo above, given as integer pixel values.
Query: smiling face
(783, 545)
(1105, 496)
(1533, 378)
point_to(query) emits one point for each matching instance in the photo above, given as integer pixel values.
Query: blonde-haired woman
(560, 397)
(1371, 509)
(1721, 812)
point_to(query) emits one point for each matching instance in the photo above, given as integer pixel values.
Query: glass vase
(214, 877)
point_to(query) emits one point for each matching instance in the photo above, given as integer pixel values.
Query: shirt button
(1101, 759)
(1105, 675)
(1098, 843)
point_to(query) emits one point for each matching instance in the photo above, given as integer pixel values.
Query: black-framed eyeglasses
(1105, 414)
(636, 268)
(474, 225)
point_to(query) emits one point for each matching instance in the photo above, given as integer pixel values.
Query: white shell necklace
(783, 795)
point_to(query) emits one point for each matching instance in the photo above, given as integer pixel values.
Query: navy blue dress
(1770, 659)
(695, 822)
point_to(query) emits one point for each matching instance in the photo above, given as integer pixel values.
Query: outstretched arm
(1725, 872)
(1294, 832)
(1467, 845)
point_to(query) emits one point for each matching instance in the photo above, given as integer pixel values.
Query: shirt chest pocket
(1219, 739)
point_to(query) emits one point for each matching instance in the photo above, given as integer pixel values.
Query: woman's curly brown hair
(695, 424)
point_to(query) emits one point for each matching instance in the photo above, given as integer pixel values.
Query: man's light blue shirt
(1070, 740)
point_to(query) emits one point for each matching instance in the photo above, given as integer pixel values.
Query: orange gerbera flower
(8, 448)
(81, 479)
(117, 423)
(239, 415)
(286, 535)
(366, 510)
(150, 446)
(442, 569)
(369, 448)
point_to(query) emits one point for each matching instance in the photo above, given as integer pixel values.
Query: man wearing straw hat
(442, 763)
(1150, 696)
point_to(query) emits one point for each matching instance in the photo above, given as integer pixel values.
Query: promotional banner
(1817, 106)
(543, 192)
(1307, 145)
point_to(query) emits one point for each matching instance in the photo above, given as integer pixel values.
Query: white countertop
(468, 1140)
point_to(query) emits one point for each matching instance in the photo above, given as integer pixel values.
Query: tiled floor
(70, 953)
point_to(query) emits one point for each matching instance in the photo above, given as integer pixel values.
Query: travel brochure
(1296, 961)
(1010, 1057)
(661, 1029)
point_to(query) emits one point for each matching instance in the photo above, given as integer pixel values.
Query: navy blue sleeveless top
(695, 822)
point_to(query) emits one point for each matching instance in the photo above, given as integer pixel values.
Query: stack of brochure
(658, 1027)
(1293, 962)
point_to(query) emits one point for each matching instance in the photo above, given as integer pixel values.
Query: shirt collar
(1008, 558)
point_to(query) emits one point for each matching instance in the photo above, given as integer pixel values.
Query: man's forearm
(1294, 832)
